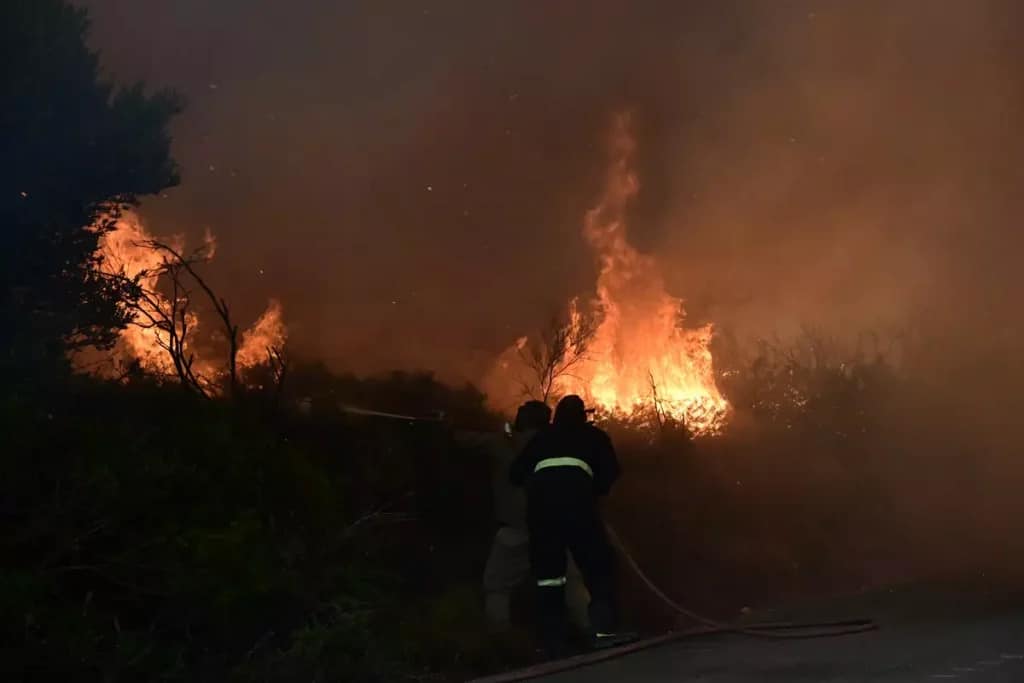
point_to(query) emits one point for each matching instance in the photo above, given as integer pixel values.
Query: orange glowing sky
(408, 178)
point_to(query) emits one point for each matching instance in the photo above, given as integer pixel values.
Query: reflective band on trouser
(563, 462)
(551, 583)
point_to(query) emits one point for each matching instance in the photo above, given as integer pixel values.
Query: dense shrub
(839, 469)
(150, 535)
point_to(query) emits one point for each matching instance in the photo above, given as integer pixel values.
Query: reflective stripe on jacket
(564, 462)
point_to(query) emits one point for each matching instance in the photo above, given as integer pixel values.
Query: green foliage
(150, 535)
(449, 633)
(74, 148)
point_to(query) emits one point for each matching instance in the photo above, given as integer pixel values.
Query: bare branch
(659, 410)
(561, 345)
(220, 305)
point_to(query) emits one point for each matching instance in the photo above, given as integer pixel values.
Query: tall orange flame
(641, 358)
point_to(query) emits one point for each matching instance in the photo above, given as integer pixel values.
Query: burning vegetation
(166, 337)
(627, 351)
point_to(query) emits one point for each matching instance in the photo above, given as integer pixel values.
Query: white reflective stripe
(604, 635)
(563, 462)
(547, 583)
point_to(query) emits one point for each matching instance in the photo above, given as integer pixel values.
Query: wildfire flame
(640, 358)
(127, 251)
(268, 332)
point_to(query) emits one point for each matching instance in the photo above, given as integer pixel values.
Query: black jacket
(585, 442)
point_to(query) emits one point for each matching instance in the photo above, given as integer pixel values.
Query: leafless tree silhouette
(557, 350)
(175, 266)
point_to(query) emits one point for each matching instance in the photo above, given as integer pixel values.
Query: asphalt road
(927, 637)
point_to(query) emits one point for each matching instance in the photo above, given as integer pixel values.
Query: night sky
(409, 178)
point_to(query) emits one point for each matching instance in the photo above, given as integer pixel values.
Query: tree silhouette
(75, 151)
(556, 351)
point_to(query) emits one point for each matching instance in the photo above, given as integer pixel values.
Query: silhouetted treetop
(74, 148)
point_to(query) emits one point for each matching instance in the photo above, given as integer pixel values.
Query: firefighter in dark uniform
(508, 564)
(566, 469)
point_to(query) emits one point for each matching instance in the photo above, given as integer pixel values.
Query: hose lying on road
(847, 627)
(774, 630)
(782, 630)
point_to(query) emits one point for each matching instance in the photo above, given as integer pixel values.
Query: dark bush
(150, 535)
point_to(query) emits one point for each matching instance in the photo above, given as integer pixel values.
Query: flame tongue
(266, 333)
(125, 251)
(641, 356)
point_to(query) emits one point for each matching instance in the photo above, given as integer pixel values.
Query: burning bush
(162, 337)
(628, 351)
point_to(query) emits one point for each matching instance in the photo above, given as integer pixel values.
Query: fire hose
(781, 630)
(393, 416)
(772, 630)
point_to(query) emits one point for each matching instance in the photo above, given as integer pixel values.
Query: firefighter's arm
(522, 465)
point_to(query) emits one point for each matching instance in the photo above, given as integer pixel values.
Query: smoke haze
(410, 178)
